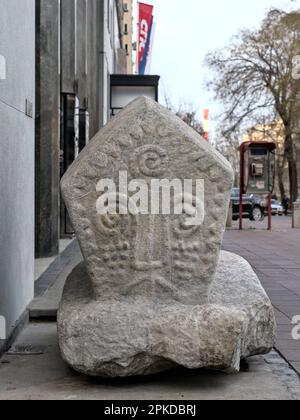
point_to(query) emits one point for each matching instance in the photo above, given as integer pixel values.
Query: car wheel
(257, 214)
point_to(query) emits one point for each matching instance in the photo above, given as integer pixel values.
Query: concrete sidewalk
(33, 369)
(275, 257)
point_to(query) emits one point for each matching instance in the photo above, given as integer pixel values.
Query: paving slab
(34, 370)
(41, 265)
(275, 257)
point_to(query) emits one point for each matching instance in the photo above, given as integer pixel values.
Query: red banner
(145, 24)
(206, 124)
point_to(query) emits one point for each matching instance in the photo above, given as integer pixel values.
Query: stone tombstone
(142, 300)
(132, 256)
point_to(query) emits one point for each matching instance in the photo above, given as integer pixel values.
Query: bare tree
(255, 78)
(186, 112)
(228, 144)
(189, 116)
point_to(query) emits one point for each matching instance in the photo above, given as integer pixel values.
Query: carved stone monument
(153, 291)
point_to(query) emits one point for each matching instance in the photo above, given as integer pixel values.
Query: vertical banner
(144, 35)
(206, 124)
(149, 59)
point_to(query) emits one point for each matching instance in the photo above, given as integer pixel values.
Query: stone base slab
(143, 336)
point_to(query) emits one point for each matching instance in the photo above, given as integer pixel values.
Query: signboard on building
(145, 37)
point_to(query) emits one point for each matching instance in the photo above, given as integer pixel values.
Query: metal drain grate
(26, 350)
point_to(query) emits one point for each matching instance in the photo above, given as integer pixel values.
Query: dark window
(259, 152)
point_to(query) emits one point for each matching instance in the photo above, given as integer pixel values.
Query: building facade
(128, 34)
(17, 103)
(79, 45)
(56, 60)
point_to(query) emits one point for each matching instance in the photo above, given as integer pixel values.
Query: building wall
(128, 33)
(47, 129)
(39, 69)
(17, 45)
(94, 29)
(89, 51)
(112, 55)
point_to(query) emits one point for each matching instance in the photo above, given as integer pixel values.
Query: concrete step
(50, 286)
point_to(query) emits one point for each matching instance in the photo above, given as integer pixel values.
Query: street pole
(241, 185)
(270, 211)
(241, 209)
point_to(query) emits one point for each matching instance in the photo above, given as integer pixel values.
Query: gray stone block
(147, 296)
(141, 336)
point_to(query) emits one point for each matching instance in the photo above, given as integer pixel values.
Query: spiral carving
(151, 161)
(110, 223)
(192, 218)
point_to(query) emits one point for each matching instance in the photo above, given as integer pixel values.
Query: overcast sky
(187, 29)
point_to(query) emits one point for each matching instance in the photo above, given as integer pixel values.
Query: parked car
(277, 209)
(253, 206)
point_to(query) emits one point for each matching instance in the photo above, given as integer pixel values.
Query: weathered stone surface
(155, 256)
(147, 296)
(236, 286)
(139, 336)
